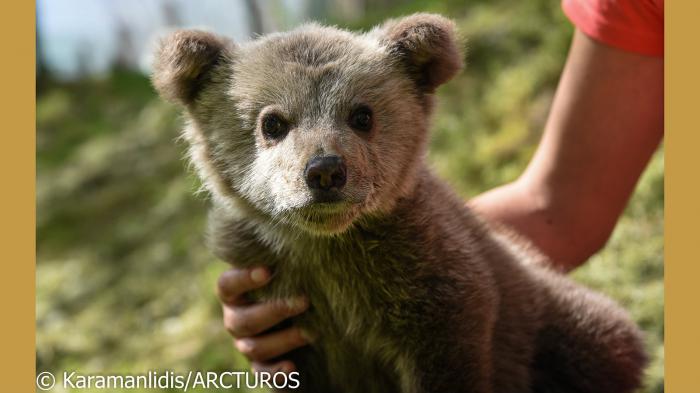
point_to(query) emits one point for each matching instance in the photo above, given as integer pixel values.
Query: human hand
(248, 322)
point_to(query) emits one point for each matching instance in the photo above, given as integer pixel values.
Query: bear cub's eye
(361, 118)
(274, 127)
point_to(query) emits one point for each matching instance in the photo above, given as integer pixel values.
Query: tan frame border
(682, 196)
(17, 210)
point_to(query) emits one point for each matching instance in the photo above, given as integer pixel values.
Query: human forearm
(554, 231)
(605, 123)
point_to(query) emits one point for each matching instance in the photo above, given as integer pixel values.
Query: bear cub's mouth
(327, 216)
(323, 199)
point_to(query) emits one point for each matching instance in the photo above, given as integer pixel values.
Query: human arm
(605, 123)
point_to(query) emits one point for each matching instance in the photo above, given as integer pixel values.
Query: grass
(124, 283)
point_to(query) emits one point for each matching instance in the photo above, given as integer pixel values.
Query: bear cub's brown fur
(312, 144)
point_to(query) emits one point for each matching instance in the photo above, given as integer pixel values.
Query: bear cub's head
(314, 128)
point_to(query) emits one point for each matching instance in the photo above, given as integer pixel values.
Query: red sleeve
(632, 25)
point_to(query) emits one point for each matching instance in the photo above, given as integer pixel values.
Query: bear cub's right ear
(183, 61)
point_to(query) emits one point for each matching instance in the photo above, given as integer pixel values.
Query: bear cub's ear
(427, 45)
(183, 61)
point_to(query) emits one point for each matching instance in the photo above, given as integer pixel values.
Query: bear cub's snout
(325, 176)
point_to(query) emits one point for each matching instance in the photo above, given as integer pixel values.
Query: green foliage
(124, 283)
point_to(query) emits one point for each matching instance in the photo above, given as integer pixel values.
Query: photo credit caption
(169, 380)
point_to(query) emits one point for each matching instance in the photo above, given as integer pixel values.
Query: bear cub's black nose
(325, 172)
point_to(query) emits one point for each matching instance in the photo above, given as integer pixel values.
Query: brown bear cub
(312, 144)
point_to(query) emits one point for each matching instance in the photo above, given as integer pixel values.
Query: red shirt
(632, 25)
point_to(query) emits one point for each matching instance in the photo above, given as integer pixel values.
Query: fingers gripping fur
(428, 47)
(183, 61)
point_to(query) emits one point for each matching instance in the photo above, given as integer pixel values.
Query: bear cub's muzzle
(326, 176)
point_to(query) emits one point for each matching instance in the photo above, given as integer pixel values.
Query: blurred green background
(124, 283)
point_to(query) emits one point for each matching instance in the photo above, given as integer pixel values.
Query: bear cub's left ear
(426, 44)
(184, 60)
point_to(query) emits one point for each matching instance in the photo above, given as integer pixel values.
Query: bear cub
(312, 144)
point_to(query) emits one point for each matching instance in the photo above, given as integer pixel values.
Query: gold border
(17, 206)
(682, 210)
